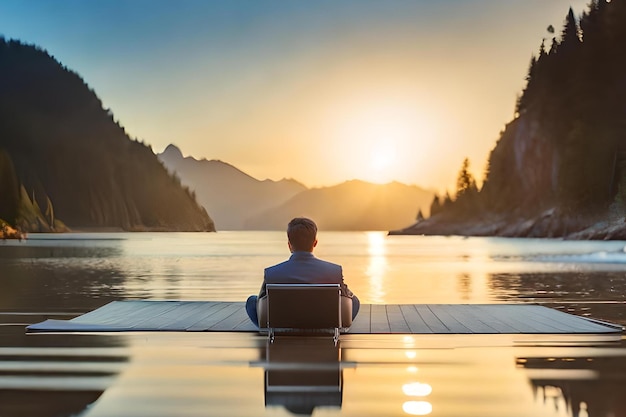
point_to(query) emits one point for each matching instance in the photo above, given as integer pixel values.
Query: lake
(222, 374)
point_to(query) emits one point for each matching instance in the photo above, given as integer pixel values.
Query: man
(302, 267)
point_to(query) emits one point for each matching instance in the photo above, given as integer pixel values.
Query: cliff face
(523, 167)
(70, 155)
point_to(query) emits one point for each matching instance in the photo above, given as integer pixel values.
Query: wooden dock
(218, 316)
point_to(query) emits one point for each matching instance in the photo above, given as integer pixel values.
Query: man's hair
(302, 233)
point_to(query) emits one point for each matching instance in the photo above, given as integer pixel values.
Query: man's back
(304, 267)
(301, 268)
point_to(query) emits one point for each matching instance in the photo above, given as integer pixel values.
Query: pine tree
(465, 180)
(570, 38)
(435, 206)
(420, 216)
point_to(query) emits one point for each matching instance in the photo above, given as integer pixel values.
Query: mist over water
(153, 374)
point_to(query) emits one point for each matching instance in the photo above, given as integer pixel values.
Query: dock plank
(397, 323)
(152, 318)
(210, 321)
(475, 322)
(565, 321)
(380, 322)
(432, 321)
(114, 312)
(362, 322)
(511, 320)
(203, 317)
(443, 313)
(490, 318)
(416, 323)
(233, 320)
(218, 316)
(526, 323)
(188, 312)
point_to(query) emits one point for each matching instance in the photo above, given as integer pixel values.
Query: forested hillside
(559, 167)
(62, 156)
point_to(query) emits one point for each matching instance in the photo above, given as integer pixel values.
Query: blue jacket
(304, 268)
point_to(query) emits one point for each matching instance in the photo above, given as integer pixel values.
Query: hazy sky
(321, 91)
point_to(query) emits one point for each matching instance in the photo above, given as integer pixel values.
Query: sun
(382, 158)
(380, 140)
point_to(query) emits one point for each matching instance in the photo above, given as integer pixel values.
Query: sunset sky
(321, 91)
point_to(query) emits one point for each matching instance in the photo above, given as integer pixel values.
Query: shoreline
(545, 225)
(8, 232)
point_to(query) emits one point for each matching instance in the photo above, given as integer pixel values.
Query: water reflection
(56, 381)
(414, 390)
(597, 295)
(417, 408)
(377, 266)
(302, 374)
(582, 386)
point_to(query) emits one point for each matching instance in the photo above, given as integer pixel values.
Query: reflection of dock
(53, 382)
(220, 316)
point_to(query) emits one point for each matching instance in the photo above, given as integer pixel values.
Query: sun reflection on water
(417, 408)
(377, 266)
(415, 388)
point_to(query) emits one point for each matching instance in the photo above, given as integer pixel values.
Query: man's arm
(263, 291)
(345, 291)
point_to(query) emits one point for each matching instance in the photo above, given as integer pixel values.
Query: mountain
(61, 150)
(559, 168)
(230, 195)
(352, 205)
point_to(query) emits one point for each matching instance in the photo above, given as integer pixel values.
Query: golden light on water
(409, 341)
(417, 408)
(417, 389)
(410, 354)
(377, 266)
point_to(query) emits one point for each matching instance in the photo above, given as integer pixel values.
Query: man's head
(302, 234)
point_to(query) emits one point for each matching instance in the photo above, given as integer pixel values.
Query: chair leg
(336, 336)
(270, 335)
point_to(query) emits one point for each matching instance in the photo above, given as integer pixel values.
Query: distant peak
(173, 151)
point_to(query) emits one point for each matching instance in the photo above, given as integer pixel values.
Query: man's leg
(356, 304)
(251, 309)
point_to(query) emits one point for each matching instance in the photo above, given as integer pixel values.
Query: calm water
(219, 374)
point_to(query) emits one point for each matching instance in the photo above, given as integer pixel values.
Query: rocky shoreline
(8, 232)
(548, 224)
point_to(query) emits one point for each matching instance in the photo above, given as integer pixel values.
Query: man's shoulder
(327, 263)
(278, 266)
(294, 264)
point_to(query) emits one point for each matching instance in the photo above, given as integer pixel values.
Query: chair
(306, 308)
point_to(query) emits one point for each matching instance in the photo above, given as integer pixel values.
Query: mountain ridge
(390, 204)
(225, 191)
(353, 205)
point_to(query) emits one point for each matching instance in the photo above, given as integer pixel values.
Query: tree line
(566, 146)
